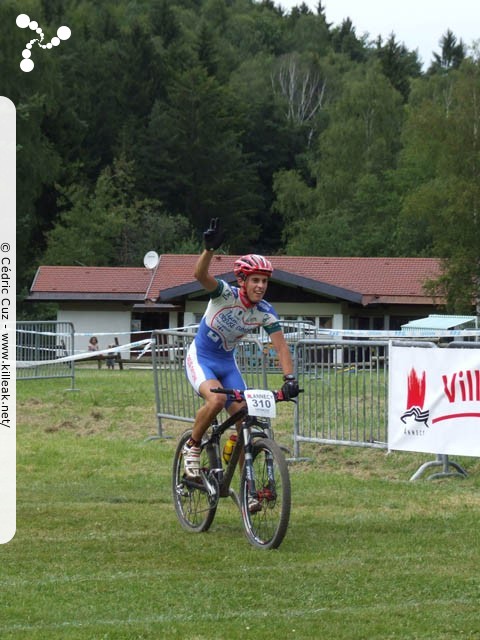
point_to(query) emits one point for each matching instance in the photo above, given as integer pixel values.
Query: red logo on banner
(416, 388)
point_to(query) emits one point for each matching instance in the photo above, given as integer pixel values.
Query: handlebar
(238, 395)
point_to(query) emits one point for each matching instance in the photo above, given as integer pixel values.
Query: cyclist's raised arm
(213, 238)
(201, 273)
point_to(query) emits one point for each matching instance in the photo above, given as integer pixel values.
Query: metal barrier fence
(346, 396)
(39, 344)
(174, 397)
(345, 382)
(345, 401)
(345, 393)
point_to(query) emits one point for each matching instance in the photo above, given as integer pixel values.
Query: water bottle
(228, 447)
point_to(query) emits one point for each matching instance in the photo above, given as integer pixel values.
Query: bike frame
(244, 442)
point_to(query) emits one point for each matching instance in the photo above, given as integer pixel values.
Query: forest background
(306, 139)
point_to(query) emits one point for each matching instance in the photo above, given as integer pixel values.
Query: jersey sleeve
(270, 320)
(273, 328)
(216, 293)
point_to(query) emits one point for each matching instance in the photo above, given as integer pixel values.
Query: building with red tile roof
(344, 293)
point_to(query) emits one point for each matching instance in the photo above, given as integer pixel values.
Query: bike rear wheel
(194, 506)
(267, 527)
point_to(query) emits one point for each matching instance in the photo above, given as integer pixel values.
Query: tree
(398, 64)
(348, 209)
(267, 139)
(345, 40)
(110, 226)
(36, 96)
(451, 56)
(301, 85)
(164, 22)
(193, 160)
(307, 32)
(206, 49)
(442, 159)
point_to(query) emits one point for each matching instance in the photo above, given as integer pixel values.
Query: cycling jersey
(227, 319)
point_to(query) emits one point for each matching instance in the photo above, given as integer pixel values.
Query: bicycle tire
(267, 528)
(194, 509)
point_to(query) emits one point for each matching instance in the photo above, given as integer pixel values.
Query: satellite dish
(150, 260)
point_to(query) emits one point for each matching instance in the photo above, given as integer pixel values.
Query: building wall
(105, 323)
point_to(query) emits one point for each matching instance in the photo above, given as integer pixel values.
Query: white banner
(434, 400)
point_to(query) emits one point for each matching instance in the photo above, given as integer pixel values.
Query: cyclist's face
(255, 287)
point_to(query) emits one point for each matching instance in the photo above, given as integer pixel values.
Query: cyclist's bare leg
(233, 408)
(214, 403)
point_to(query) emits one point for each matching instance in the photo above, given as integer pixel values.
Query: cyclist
(231, 313)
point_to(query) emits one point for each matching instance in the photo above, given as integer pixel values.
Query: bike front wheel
(266, 524)
(194, 505)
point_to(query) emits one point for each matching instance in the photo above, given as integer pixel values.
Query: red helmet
(252, 263)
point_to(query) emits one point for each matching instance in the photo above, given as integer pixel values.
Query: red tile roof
(91, 280)
(376, 279)
(392, 280)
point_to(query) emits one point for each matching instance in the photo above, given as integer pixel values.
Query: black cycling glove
(290, 387)
(213, 236)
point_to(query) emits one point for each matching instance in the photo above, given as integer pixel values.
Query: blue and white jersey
(227, 319)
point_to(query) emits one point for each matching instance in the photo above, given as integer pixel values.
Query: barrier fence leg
(440, 461)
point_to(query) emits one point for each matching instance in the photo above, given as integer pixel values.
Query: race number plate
(260, 403)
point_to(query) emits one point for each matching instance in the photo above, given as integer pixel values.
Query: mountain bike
(264, 474)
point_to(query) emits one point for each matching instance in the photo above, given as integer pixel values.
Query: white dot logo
(23, 22)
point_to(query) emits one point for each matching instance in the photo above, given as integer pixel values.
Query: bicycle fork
(266, 492)
(247, 439)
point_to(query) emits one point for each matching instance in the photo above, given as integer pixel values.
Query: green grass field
(99, 552)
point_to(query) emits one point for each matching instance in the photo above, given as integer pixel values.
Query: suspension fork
(270, 472)
(267, 430)
(248, 447)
